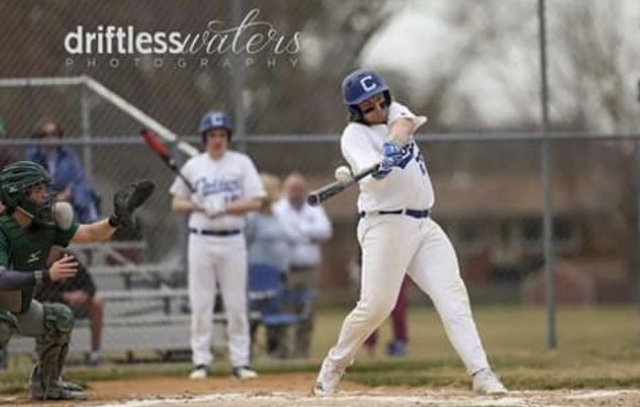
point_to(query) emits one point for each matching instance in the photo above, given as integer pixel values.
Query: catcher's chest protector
(28, 251)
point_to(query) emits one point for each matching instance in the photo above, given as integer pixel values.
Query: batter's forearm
(243, 206)
(182, 205)
(401, 130)
(14, 280)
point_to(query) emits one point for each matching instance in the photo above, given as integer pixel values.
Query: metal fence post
(85, 131)
(636, 177)
(238, 80)
(545, 167)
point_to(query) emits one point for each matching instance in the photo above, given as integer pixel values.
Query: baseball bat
(162, 151)
(320, 195)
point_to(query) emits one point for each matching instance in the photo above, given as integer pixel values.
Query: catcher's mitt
(127, 200)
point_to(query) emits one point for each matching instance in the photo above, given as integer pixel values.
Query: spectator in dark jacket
(68, 178)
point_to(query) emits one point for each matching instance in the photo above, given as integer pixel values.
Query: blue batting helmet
(359, 86)
(215, 119)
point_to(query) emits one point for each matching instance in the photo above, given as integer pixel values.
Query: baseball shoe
(94, 359)
(486, 382)
(328, 379)
(199, 373)
(396, 349)
(244, 373)
(58, 390)
(61, 394)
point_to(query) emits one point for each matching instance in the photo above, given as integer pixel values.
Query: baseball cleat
(486, 382)
(328, 379)
(244, 373)
(396, 349)
(319, 391)
(60, 390)
(199, 373)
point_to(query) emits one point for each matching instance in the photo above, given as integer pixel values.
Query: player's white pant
(390, 245)
(218, 261)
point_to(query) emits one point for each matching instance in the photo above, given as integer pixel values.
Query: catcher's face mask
(37, 203)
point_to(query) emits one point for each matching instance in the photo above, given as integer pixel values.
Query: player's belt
(205, 232)
(414, 213)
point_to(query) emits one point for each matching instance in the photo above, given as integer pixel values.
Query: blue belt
(414, 213)
(205, 232)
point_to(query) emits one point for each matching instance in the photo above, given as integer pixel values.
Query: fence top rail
(118, 140)
(44, 81)
(182, 142)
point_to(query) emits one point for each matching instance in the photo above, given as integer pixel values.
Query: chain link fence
(285, 101)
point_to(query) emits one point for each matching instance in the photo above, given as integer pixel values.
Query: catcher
(29, 226)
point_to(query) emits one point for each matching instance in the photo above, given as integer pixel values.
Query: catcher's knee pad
(8, 326)
(58, 319)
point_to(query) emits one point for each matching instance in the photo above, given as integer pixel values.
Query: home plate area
(375, 398)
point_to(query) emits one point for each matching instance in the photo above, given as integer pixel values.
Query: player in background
(227, 187)
(30, 225)
(397, 236)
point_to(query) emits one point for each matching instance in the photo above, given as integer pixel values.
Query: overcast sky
(422, 42)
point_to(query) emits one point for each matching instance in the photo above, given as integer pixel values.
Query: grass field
(597, 348)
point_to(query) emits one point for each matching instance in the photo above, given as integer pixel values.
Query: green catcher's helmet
(15, 180)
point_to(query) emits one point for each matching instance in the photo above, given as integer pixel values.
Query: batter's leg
(435, 270)
(202, 293)
(232, 275)
(385, 258)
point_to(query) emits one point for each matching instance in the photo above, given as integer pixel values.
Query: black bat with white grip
(328, 191)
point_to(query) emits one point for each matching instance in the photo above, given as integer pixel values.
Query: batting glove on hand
(214, 208)
(382, 172)
(198, 200)
(394, 156)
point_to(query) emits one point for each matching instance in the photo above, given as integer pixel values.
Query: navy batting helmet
(359, 86)
(215, 119)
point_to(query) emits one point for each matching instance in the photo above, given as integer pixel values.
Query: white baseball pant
(218, 261)
(395, 244)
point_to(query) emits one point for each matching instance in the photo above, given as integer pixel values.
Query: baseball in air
(343, 173)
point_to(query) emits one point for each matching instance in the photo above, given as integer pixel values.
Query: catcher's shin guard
(52, 347)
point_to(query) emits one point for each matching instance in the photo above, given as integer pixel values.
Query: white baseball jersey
(407, 188)
(218, 261)
(228, 179)
(396, 244)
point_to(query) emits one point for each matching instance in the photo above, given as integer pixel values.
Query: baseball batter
(29, 226)
(396, 233)
(227, 186)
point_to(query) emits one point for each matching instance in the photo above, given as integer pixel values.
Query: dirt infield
(280, 390)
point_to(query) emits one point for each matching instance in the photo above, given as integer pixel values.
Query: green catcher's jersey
(27, 250)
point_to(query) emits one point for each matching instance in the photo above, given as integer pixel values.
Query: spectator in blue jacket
(64, 166)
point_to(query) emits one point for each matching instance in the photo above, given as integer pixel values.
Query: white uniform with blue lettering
(395, 244)
(217, 253)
